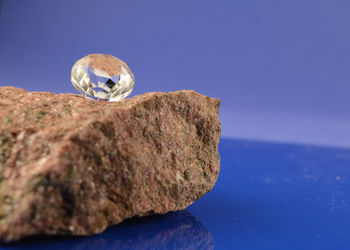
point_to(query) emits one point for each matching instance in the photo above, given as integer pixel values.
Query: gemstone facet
(102, 77)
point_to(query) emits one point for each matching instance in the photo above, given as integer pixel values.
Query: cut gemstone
(102, 77)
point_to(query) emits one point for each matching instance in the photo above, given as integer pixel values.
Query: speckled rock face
(69, 165)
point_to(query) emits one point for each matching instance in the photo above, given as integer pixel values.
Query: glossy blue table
(268, 196)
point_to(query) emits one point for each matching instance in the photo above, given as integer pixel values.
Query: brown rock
(69, 165)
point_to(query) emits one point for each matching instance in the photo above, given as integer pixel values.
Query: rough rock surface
(69, 165)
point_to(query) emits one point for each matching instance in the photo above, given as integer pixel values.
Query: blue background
(280, 67)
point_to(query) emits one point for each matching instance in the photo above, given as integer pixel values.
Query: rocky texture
(69, 165)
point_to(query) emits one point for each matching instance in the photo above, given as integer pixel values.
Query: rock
(73, 166)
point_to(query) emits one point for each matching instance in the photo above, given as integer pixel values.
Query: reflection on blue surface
(179, 230)
(280, 196)
(268, 196)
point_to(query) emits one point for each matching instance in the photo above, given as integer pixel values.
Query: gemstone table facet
(102, 77)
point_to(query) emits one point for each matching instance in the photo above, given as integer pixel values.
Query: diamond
(102, 77)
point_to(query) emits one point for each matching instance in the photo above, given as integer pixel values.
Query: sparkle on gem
(102, 77)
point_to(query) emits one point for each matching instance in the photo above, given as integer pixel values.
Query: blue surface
(268, 196)
(280, 67)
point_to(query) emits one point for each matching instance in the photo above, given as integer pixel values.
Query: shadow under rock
(175, 230)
